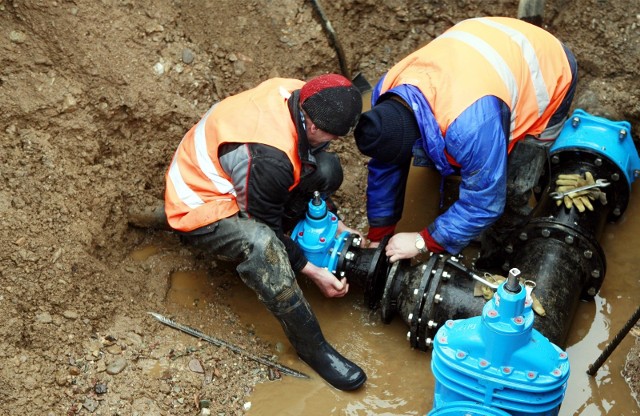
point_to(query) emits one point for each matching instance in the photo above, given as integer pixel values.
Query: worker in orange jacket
(484, 100)
(245, 173)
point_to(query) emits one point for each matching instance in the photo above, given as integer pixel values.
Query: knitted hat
(387, 132)
(332, 103)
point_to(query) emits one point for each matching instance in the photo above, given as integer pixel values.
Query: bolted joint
(575, 122)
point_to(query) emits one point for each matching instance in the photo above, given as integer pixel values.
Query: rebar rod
(593, 368)
(221, 343)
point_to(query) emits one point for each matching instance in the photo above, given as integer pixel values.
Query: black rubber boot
(302, 328)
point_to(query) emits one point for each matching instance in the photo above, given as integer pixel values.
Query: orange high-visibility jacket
(524, 66)
(198, 191)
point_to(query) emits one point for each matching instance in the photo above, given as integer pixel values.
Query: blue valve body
(498, 361)
(316, 235)
(611, 139)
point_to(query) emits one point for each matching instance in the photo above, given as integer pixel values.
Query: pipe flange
(389, 301)
(429, 311)
(343, 260)
(588, 248)
(428, 275)
(377, 275)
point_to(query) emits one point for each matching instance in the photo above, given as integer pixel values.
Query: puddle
(400, 381)
(143, 253)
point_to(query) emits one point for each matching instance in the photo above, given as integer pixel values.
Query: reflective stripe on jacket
(523, 65)
(198, 191)
(484, 83)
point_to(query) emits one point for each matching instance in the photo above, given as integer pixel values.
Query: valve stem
(512, 284)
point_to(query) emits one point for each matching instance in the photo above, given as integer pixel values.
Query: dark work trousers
(261, 258)
(262, 261)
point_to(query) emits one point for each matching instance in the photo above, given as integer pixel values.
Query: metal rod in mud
(333, 38)
(221, 343)
(593, 368)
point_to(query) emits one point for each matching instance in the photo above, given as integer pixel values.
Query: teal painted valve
(316, 235)
(341, 254)
(498, 360)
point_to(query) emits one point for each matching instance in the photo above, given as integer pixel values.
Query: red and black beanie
(332, 102)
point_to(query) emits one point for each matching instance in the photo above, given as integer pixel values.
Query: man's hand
(582, 199)
(329, 285)
(373, 244)
(342, 228)
(402, 246)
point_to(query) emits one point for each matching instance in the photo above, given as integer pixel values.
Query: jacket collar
(305, 152)
(432, 141)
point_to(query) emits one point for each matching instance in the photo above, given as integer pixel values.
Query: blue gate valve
(316, 235)
(498, 360)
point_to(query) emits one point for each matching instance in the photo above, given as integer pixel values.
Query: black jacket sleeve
(262, 176)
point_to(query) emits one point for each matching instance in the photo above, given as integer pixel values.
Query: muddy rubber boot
(303, 331)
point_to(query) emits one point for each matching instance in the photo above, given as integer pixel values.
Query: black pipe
(558, 249)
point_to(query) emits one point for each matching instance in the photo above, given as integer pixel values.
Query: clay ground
(94, 98)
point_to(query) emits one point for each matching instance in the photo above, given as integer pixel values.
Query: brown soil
(95, 97)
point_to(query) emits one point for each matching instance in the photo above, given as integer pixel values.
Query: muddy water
(400, 380)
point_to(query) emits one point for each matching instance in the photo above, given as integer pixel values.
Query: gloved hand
(582, 199)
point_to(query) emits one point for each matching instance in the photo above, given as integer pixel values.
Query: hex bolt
(588, 254)
(568, 239)
(509, 248)
(424, 267)
(428, 342)
(349, 255)
(623, 133)
(546, 232)
(575, 121)
(616, 211)
(598, 162)
(446, 275)
(432, 324)
(592, 291)
(356, 242)
(409, 336)
(523, 236)
(437, 298)
(595, 274)
(415, 292)
(555, 159)
(410, 317)
(615, 177)
(342, 273)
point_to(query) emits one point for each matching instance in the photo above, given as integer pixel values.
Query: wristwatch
(420, 244)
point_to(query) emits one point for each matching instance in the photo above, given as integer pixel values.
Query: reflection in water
(400, 380)
(353, 330)
(143, 253)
